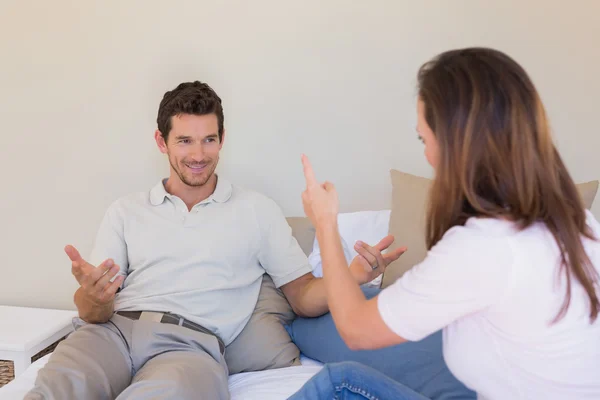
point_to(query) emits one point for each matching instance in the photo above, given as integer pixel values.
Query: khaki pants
(133, 359)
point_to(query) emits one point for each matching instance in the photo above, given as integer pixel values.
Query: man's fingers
(105, 279)
(111, 288)
(309, 174)
(87, 275)
(76, 271)
(85, 281)
(97, 273)
(73, 254)
(78, 264)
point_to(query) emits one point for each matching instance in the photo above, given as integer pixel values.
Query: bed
(274, 384)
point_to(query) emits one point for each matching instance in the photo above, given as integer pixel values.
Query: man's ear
(222, 139)
(160, 142)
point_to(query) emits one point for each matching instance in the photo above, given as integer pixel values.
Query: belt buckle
(151, 316)
(180, 320)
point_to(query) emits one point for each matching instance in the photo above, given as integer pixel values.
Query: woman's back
(512, 272)
(511, 348)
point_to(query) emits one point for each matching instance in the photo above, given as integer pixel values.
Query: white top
(23, 328)
(495, 290)
(205, 264)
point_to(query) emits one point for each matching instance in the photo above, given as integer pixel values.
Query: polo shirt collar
(222, 192)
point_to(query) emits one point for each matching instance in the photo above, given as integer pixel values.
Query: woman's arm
(464, 273)
(356, 318)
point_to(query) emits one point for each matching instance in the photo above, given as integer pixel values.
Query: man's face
(192, 147)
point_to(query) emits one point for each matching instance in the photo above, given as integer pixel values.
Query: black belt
(168, 318)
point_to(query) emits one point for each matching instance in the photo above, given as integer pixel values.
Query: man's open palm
(95, 281)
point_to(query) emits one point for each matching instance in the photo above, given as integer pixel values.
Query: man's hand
(370, 263)
(95, 281)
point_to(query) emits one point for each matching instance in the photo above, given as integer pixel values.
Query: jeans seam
(355, 389)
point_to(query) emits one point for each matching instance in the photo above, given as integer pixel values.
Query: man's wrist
(91, 311)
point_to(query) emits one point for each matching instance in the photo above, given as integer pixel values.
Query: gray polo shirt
(205, 264)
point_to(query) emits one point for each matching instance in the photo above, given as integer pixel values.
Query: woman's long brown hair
(497, 158)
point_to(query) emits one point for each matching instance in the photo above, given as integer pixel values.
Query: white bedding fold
(275, 384)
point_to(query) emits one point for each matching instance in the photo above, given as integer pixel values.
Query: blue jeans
(353, 381)
(417, 366)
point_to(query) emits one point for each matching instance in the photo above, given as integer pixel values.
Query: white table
(25, 331)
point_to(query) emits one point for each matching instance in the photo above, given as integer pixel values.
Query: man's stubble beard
(203, 180)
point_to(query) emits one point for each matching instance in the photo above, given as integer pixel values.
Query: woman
(512, 272)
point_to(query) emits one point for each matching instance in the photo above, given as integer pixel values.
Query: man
(175, 273)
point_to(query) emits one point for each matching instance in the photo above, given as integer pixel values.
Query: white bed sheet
(274, 384)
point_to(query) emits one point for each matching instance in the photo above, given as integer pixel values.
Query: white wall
(81, 82)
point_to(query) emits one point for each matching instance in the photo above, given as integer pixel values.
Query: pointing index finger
(309, 174)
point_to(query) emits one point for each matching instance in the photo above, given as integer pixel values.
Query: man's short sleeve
(280, 254)
(110, 242)
(462, 274)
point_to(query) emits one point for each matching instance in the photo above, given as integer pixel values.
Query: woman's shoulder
(478, 240)
(592, 222)
(494, 237)
(481, 245)
(482, 230)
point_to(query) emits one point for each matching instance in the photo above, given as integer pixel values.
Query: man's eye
(421, 139)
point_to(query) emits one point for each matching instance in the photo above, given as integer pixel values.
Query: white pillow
(368, 226)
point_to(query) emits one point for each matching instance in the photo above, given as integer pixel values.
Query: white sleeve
(462, 274)
(280, 254)
(110, 241)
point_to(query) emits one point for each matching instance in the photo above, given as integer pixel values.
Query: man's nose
(197, 153)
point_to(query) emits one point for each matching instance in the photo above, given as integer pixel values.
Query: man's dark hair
(196, 98)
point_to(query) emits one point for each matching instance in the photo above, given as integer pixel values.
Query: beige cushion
(304, 232)
(588, 191)
(264, 343)
(407, 220)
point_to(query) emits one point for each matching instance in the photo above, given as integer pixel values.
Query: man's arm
(308, 295)
(95, 298)
(90, 311)
(280, 250)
